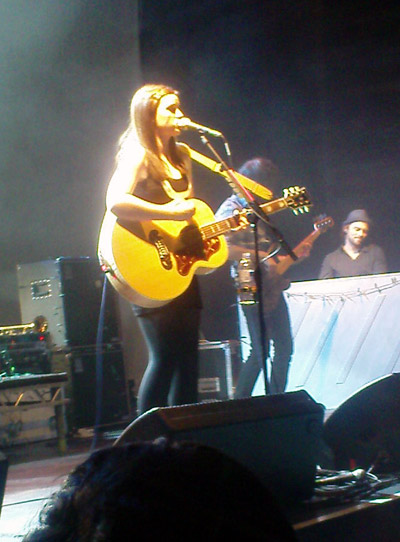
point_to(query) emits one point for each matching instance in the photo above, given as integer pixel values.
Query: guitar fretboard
(225, 225)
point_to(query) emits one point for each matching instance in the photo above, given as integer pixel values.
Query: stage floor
(35, 471)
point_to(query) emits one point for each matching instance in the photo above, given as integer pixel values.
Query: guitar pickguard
(185, 262)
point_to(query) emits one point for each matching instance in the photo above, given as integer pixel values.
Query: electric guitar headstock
(297, 199)
(322, 223)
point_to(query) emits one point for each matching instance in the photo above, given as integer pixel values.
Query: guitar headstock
(323, 223)
(297, 199)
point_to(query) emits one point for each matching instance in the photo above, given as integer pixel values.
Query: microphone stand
(264, 338)
(235, 184)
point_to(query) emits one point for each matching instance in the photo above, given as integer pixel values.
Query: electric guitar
(152, 262)
(276, 283)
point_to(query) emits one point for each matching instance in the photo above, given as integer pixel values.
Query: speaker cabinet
(365, 429)
(67, 292)
(277, 437)
(114, 401)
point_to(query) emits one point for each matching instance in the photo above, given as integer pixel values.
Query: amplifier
(114, 397)
(24, 353)
(67, 292)
(215, 371)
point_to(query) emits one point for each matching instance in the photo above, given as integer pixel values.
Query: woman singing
(152, 181)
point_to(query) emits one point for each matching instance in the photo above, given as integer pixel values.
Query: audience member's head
(160, 491)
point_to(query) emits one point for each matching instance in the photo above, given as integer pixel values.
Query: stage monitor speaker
(3, 477)
(277, 437)
(365, 429)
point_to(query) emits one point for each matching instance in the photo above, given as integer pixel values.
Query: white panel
(346, 335)
(40, 294)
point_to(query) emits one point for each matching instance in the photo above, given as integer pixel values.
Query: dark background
(313, 85)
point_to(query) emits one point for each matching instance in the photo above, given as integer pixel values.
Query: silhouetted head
(161, 491)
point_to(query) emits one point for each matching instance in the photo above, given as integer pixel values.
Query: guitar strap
(255, 188)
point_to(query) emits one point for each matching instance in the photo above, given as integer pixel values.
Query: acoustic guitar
(152, 262)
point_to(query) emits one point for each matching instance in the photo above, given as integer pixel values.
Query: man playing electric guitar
(275, 309)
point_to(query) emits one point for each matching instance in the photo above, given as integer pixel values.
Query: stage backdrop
(346, 335)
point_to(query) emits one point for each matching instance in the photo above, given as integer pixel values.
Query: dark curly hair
(160, 490)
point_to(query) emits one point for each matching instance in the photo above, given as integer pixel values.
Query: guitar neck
(227, 224)
(283, 265)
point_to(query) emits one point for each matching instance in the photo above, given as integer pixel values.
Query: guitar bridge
(185, 262)
(162, 249)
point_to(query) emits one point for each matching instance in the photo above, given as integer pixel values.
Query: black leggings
(171, 335)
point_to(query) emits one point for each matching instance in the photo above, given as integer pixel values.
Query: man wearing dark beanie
(354, 257)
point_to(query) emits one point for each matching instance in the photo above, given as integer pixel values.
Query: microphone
(343, 476)
(186, 124)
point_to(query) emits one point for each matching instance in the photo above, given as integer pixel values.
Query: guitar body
(150, 264)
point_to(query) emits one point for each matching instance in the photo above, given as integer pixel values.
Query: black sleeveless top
(153, 191)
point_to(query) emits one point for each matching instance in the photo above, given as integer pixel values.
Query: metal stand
(259, 214)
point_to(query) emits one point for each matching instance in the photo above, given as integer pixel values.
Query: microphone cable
(99, 366)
